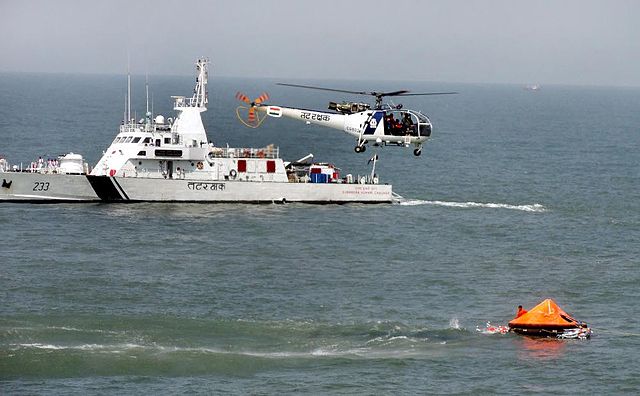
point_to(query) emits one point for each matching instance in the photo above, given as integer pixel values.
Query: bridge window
(168, 153)
(136, 140)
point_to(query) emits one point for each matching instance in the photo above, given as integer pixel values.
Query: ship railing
(245, 152)
(46, 169)
(195, 101)
(153, 127)
(303, 177)
(131, 128)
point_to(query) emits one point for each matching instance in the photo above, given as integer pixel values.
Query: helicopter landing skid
(360, 148)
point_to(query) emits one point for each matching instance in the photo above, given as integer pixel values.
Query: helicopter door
(408, 123)
(391, 125)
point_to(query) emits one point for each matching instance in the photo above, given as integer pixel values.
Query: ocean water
(519, 196)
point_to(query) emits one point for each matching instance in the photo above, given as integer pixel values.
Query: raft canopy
(546, 315)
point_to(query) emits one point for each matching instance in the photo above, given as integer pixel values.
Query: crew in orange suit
(521, 311)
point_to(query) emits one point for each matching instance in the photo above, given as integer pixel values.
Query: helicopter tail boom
(325, 119)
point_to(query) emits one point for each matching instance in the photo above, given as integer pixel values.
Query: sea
(518, 196)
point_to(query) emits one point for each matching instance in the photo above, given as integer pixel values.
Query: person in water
(521, 311)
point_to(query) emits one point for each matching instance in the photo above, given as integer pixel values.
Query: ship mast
(128, 90)
(200, 98)
(188, 124)
(146, 86)
(147, 115)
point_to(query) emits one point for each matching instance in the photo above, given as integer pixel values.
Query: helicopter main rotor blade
(428, 93)
(372, 93)
(325, 89)
(394, 93)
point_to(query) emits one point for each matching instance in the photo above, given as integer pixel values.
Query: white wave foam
(454, 324)
(63, 328)
(398, 338)
(323, 352)
(526, 208)
(330, 351)
(83, 347)
(42, 346)
(394, 340)
(67, 328)
(493, 329)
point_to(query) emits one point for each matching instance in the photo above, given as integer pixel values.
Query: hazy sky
(534, 41)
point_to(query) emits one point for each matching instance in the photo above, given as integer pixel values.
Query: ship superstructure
(171, 159)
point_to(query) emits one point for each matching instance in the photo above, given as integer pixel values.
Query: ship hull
(50, 187)
(118, 189)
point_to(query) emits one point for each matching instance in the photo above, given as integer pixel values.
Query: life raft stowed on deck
(547, 319)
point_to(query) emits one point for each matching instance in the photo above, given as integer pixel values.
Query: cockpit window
(136, 140)
(128, 139)
(425, 129)
(422, 117)
(399, 122)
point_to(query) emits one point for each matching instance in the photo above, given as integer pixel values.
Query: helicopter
(384, 124)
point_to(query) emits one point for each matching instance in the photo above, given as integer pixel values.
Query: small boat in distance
(532, 87)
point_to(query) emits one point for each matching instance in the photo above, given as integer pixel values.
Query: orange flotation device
(546, 319)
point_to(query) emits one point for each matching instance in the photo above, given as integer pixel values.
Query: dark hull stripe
(124, 194)
(104, 188)
(52, 201)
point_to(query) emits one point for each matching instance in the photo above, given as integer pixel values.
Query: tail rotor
(247, 113)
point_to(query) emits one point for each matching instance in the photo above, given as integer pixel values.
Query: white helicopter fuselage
(366, 126)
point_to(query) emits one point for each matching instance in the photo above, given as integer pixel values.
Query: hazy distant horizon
(585, 43)
(356, 81)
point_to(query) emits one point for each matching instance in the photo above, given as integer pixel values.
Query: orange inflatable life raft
(547, 319)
